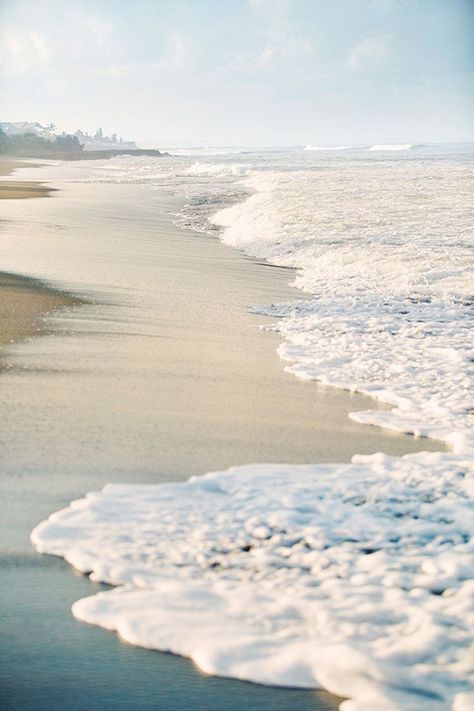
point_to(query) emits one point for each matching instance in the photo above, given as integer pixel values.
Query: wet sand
(163, 374)
(23, 301)
(20, 189)
(9, 165)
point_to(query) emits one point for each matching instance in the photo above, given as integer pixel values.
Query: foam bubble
(353, 577)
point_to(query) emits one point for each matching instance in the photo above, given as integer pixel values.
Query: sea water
(356, 578)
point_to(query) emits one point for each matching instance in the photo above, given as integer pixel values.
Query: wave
(327, 148)
(218, 169)
(376, 296)
(202, 151)
(391, 147)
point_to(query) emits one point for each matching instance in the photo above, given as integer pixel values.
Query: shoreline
(271, 285)
(104, 419)
(57, 447)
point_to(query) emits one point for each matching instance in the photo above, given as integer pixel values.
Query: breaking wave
(217, 169)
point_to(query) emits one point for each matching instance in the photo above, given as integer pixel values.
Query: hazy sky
(243, 71)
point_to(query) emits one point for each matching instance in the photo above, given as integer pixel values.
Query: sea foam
(218, 169)
(352, 577)
(358, 577)
(392, 311)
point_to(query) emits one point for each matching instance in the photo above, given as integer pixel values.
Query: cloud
(100, 29)
(175, 54)
(280, 45)
(271, 7)
(370, 52)
(281, 39)
(22, 51)
(28, 49)
(176, 50)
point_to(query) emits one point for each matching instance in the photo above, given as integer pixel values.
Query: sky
(242, 72)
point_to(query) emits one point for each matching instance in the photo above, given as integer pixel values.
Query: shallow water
(166, 375)
(50, 661)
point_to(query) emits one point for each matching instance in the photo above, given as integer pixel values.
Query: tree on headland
(29, 144)
(3, 141)
(67, 143)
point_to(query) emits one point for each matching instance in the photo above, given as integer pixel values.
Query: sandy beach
(162, 374)
(9, 165)
(23, 300)
(20, 189)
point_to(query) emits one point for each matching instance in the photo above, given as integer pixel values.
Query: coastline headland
(105, 154)
(30, 144)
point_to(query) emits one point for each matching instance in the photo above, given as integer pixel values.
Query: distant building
(97, 142)
(21, 127)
